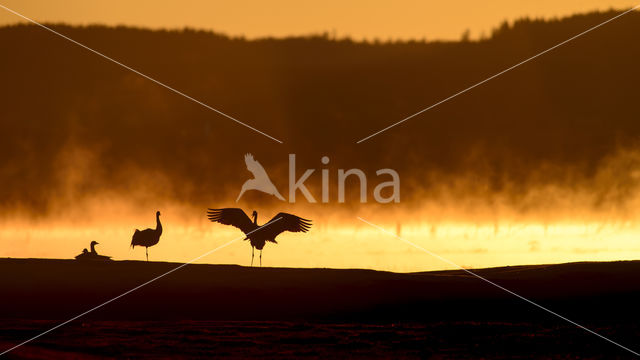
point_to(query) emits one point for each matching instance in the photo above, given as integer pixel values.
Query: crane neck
(93, 248)
(255, 219)
(158, 224)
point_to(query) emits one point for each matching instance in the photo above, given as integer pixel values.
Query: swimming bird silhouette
(147, 237)
(93, 254)
(260, 181)
(259, 235)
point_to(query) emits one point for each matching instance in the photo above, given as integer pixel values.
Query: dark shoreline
(229, 311)
(59, 289)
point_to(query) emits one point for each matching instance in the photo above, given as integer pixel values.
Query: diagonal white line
(141, 74)
(137, 287)
(496, 285)
(496, 75)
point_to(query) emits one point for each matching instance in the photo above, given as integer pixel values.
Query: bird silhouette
(259, 235)
(93, 254)
(260, 181)
(147, 237)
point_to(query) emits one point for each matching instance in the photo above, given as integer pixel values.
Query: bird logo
(260, 181)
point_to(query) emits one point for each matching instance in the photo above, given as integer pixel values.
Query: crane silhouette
(147, 237)
(260, 181)
(259, 235)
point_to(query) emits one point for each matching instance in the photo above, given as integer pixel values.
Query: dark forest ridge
(326, 35)
(56, 289)
(570, 115)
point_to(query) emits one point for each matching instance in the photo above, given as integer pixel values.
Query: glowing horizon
(359, 20)
(333, 243)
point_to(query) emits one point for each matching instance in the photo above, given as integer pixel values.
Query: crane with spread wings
(259, 235)
(260, 181)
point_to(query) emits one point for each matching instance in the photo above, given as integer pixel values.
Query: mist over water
(89, 151)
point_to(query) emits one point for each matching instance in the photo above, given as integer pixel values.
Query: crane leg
(260, 257)
(147, 252)
(252, 256)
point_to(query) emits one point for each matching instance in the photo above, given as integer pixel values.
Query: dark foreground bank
(223, 310)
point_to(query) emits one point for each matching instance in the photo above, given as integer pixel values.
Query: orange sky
(357, 18)
(336, 245)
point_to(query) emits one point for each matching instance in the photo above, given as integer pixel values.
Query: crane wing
(232, 216)
(255, 167)
(285, 222)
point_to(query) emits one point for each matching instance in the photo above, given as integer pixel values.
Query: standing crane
(147, 237)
